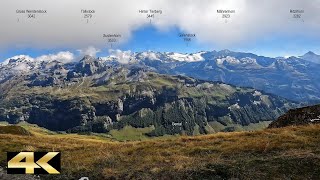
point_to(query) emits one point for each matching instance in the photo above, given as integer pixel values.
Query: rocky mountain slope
(300, 116)
(98, 95)
(294, 78)
(312, 57)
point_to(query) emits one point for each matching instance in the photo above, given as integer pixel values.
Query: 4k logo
(33, 162)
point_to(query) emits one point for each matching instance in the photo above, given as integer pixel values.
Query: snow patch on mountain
(22, 67)
(257, 102)
(234, 106)
(18, 58)
(257, 93)
(63, 57)
(248, 60)
(228, 59)
(186, 57)
(123, 57)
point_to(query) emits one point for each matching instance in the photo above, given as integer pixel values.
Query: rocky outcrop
(300, 116)
(61, 115)
(86, 67)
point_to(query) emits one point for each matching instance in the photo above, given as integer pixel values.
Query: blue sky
(262, 27)
(149, 38)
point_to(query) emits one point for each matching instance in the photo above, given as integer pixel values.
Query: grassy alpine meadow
(282, 153)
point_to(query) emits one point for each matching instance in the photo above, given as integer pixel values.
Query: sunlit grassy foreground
(284, 153)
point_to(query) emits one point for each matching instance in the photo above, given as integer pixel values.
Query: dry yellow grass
(292, 153)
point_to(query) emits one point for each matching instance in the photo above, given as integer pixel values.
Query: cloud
(66, 27)
(123, 57)
(150, 55)
(26, 57)
(91, 51)
(64, 56)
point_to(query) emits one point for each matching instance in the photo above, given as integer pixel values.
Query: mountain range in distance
(172, 93)
(311, 56)
(295, 78)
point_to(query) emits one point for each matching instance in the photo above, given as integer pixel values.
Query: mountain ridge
(311, 56)
(293, 78)
(91, 95)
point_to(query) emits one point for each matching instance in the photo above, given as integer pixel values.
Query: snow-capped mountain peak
(186, 57)
(311, 57)
(18, 59)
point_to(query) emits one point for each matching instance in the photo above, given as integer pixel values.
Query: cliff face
(91, 96)
(300, 116)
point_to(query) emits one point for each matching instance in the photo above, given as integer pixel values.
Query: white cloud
(65, 27)
(91, 51)
(123, 57)
(150, 55)
(64, 56)
(25, 57)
